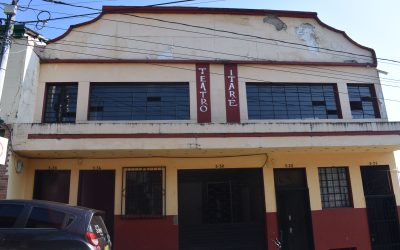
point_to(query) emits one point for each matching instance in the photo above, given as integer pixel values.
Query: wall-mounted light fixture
(19, 166)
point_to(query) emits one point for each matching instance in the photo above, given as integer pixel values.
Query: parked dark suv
(34, 224)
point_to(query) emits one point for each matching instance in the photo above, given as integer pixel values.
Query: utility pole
(10, 11)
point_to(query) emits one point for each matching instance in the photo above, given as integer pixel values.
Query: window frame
(348, 186)
(125, 170)
(61, 226)
(19, 218)
(374, 96)
(142, 83)
(45, 99)
(297, 84)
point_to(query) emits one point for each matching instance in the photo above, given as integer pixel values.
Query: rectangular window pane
(144, 192)
(292, 101)
(139, 101)
(335, 187)
(45, 218)
(363, 101)
(9, 214)
(60, 104)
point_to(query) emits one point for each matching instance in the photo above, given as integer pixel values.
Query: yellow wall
(21, 185)
(83, 74)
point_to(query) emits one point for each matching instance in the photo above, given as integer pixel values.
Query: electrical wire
(193, 70)
(167, 3)
(160, 157)
(226, 31)
(67, 42)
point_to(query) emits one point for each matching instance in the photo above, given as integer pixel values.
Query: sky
(373, 24)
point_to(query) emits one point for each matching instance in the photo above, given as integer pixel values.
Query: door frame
(280, 190)
(191, 173)
(389, 196)
(107, 171)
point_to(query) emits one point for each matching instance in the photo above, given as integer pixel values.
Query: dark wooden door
(381, 208)
(52, 185)
(221, 209)
(97, 190)
(293, 205)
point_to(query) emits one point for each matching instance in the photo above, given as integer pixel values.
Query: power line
(357, 77)
(167, 3)
(178, 46)
(388, 79)
(201, 33)
(228, 32)
(59, 18)
(211, 1)
(192, 70)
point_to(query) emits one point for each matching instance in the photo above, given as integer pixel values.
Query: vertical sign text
(203, 93)
(232, 94)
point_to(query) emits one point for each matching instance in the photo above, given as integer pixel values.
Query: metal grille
(292, 101)
(144, 192)
(139, 101)
(363, 102)
(381, 206)
(218, 205)
(335, 187)
(383, 222)
(61, 101)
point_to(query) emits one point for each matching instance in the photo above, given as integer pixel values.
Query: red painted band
(260, 62)
(211, 135)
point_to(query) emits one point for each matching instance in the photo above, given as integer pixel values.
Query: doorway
(293, 206)
(97, 190)
(382, 214)
(52, 185)
(221, 209)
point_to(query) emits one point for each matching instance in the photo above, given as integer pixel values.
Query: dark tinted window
(292, 101)
(139, 101)
(45, 218)
(290, 178)
(97, 226)
(376, 180)
(144, 191)
(335, 187)
(363, 101)
(52, 185)
(9, 214)
(60, 104)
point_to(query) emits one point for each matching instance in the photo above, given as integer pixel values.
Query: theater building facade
(202, 128)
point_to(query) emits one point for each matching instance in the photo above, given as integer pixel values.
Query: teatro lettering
(203, 90)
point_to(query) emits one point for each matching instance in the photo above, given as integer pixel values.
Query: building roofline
(194, 61)
(220, 11)
(202, 10)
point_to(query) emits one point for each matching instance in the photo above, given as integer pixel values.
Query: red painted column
(341, 228)
(145, 234)
(272, 229)
(232, 93)
(203, 93)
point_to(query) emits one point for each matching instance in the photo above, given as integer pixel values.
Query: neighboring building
(19, 88)
(205, 138)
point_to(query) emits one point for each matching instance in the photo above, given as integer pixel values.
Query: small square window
(363, 101)
(335, 187)
(144, 192)
(60, 105)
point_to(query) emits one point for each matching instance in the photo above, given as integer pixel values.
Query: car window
(9, 214)
(45, 218)
(97, 226)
